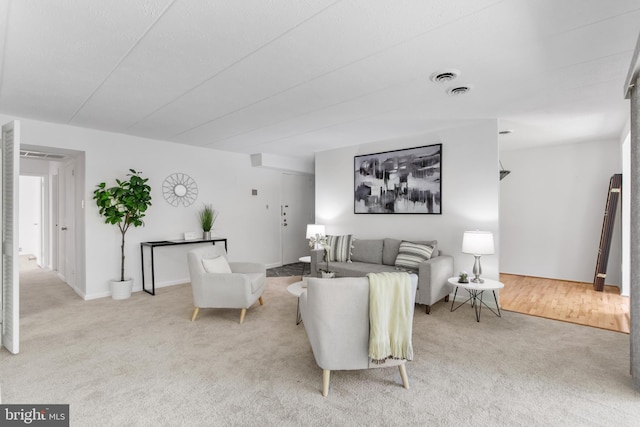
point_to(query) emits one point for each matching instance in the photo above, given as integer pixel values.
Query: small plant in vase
(463, 277)
(318, 242)
(207, 216)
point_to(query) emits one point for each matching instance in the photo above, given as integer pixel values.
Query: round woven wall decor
(180, 189)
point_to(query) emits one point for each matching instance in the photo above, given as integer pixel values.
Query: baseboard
(88, 297)
(168, 283)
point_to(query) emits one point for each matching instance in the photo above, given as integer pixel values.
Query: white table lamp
(313, 230)
(477, 243)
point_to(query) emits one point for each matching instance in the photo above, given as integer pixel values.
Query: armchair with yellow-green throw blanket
(335, 313)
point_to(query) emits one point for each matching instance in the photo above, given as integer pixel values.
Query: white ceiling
(291, 77)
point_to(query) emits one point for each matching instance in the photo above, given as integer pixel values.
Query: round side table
(305, 260)
(476, 291)
(296, 289)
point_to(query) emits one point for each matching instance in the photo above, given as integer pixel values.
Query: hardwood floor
(567, 301)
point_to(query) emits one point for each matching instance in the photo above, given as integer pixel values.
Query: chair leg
(403, 375)
(261, 302)
(427, 309)
(195, 313)
(326, 375)
(242, 313)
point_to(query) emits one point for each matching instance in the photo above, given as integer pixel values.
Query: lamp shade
(477, 242)
(313, 229)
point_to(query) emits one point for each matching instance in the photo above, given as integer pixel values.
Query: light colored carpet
(143, 362)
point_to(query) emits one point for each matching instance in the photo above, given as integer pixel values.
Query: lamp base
(477, 270)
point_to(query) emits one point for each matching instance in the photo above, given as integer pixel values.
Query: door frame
(308, 201)
(10, 300)
(54, 194)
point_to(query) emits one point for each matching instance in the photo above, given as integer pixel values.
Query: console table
(152, 245)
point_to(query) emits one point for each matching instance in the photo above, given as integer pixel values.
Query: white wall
(30, 211)
(224, 179)
(35, 168)
(470, 193)
(552, 207)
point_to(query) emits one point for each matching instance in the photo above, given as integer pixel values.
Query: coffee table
(296, 289)
(476, 291)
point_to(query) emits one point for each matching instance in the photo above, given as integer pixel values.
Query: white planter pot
(121, 290)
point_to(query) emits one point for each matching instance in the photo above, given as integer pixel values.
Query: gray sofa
(378, 255)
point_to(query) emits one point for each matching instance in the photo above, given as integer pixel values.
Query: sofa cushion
(358, 269)
(390, 251)
(411, 254)
(340, 248)
(216, 265)
(367, 251)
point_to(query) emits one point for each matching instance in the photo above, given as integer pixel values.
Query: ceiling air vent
(460, 90)
(445, 76)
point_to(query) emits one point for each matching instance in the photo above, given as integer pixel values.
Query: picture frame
(405, 181)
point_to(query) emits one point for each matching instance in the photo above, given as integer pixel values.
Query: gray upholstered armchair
(335, 313)
(217, 283)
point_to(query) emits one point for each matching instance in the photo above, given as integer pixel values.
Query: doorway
(297, 210)
(61, 210)
(31, 227)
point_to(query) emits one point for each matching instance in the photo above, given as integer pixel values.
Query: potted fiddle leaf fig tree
(124, 205)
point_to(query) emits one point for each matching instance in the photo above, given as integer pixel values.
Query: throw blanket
(390, 316)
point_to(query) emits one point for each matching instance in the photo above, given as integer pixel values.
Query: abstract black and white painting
(399, 182)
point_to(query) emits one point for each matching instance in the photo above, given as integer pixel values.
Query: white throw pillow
(216, 265)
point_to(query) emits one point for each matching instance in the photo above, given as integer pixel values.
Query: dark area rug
(286, 270)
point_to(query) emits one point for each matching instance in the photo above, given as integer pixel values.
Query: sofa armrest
(247, 267)
(432, 279)
(222, 290)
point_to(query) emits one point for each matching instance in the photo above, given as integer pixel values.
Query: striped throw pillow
(340, 248)
(410, 255)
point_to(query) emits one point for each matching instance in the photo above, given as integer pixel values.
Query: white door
(9, 200)
(297, 210)
(66, 221)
